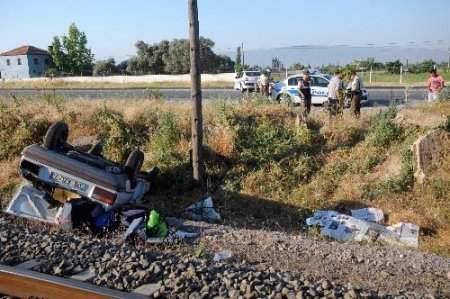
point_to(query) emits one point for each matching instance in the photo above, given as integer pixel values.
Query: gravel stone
(272, 265)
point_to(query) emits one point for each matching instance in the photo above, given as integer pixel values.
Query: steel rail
(23, 283)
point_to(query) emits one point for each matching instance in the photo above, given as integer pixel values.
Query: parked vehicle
(247, 81)
(287, 90)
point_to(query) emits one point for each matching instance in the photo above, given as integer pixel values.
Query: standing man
(355, 107)
(335, 90)
(435, 85)
(304, 92)
(263, 83)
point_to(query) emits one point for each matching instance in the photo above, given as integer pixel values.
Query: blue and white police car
(287, 90)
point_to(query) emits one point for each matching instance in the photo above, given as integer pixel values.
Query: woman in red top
(435, 85)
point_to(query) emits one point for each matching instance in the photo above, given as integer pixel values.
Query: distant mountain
(317, 56)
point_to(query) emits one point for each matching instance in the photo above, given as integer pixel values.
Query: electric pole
(243, 61)
(196, 95)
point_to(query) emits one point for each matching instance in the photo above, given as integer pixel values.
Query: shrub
(263, 141)
(164, 139)
(385, 130)
(370, 162)
(117, 137)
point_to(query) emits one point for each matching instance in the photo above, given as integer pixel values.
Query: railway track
(21, 282)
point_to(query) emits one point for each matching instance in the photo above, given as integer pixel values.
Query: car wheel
(133, 165)
(56, 137)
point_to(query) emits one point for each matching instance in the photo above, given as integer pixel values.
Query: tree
(224, 64)
(156, 60)
(177, 59)
(122, 67)
(330, 68)
(393, 67)
(72, 55)
(296, 66)
(276, 64)
(105, 67)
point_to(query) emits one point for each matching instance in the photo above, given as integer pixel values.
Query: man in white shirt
(335, 90)
(355, 106)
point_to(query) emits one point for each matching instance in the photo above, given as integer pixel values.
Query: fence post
(401, 73)
(370, 75)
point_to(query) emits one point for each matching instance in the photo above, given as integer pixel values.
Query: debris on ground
(362, 225)
(222, 256)
(203, 211)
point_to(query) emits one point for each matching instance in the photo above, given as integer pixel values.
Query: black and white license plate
(63, 180)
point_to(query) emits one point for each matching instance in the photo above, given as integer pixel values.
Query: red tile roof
(25, 50)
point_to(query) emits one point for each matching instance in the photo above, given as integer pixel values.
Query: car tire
(56, 137)
(133, 165)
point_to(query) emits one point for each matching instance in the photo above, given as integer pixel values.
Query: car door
(319, 90)
(237, 80)
(292, 88)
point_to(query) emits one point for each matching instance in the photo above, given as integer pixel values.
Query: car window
(319, 81)
(293, 81)
(253, 74)
(239, 75)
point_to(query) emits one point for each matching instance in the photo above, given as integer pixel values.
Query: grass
(261, 170)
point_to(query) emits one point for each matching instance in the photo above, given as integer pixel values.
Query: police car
(287, 90)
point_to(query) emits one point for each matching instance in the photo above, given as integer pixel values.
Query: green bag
(156, 225)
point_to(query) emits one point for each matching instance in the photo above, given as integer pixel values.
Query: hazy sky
(113, 27)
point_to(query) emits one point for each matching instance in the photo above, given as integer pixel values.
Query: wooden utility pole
(196, 94)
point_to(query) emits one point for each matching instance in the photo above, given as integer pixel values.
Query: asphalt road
(377, 96)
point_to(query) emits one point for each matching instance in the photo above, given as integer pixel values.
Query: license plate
(63, 180)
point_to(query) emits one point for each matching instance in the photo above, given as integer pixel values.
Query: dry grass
(263, 170)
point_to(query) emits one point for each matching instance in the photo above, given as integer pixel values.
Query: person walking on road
(435, 85)
(335, 92)
(355, 106)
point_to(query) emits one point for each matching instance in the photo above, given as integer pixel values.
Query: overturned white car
(58, 172)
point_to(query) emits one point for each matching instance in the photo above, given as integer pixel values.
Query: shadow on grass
(236, 209)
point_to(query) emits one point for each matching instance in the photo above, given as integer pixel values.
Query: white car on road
(247, 80)
(287, 90)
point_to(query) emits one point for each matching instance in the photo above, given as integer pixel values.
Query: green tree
(72, 55)
(296, 66)
(177, 59)
(156, 60)
(393, 67)
(224, 64)
(207, 56)
(276, 63)
(122, 67)
(105, 67)
(330, 68)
